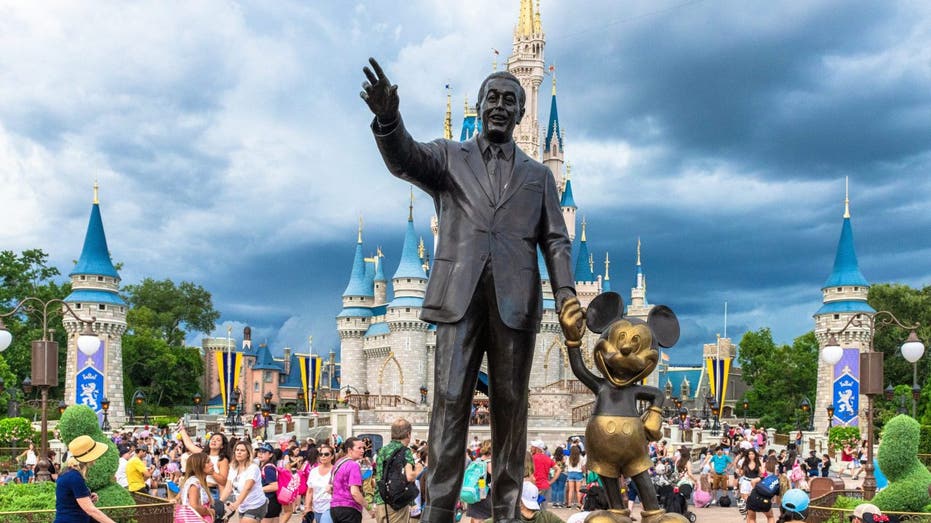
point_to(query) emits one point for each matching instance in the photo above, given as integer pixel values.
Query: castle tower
(403, 370)
(526, 63)
(381, 284)
(606, 282)
(843, 296)
(354, 320)
(552, 145)
(448, 120)
(567, 203)
(95, 293)
(639, 307)
(587, 285)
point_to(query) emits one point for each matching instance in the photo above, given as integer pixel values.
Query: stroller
(675, 499)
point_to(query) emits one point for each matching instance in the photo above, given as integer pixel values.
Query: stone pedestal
(343, 421)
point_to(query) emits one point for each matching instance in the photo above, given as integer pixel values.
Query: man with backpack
(395, 472)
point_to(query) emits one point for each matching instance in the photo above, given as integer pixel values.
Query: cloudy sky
(233, 151)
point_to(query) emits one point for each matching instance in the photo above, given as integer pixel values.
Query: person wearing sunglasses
(318, 494)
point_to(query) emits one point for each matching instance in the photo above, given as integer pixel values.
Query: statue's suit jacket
(476, 224)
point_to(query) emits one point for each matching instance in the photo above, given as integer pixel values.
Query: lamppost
(716, 412)
(830, 417)
(197, 400)
(300, 401)
(871, 370)
(423, 394)
(267, 412)
(105, 405)
(805, 405)
(45, 358)
(891, 395)
(61, 407)
(138, 400)
(232, 418)
(912, 350)
(746, 405)
(683, 416)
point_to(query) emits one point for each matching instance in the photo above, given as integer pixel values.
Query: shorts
(345, 515)
(759, 504)
(480, 510)
(274, 507)
(745, 486)
(718, 481)
(255, 513)
(574, 476)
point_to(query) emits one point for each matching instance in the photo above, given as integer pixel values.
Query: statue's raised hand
(378, 92)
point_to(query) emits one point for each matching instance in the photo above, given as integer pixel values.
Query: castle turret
(355, 318)
(639, 307)
(381, 284)
(844, 295)
(95, 293)
(606, 282)
(552, 145)
(567, 203)
(526, 63)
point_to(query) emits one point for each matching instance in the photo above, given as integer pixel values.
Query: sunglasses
(325, 454)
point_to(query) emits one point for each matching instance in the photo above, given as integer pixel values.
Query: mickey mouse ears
(604, 310)
(665, 326)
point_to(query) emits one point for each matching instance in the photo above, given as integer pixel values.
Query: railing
(148, 509)
(373, 401)
(573, 386)
(583, 412)
(822, 509)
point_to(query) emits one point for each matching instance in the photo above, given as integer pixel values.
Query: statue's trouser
(459, 350)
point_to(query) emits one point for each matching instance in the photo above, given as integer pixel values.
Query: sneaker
(712, 502)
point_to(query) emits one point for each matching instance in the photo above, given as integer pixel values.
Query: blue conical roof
(583, 270)
(95, 256)
(357, 284)
(553, 127)
(265, 361)
(541, 265)
(567, 199)
(846, 269)
(379, 269)
(410, 266)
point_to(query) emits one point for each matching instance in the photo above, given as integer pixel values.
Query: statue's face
(500, 109)
(624, 354)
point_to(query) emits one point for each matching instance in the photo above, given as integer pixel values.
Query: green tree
(778, 376)
(22, 275)
(910, 306)
(170, 311)
(155, 359)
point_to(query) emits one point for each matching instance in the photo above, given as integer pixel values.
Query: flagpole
(229, 368)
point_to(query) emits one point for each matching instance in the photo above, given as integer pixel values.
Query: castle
(386, 350)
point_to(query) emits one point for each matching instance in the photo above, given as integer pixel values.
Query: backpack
(768, 486)
(393, 486)
(796, 474)
(288, 486)
(471, 493)
(724, 501)
(304, 473)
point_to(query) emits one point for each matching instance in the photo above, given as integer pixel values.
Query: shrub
(924, 444)
(27, 497)
(16, 429)
(114, 495)
(898, 460)
(78, 420)
(840, 436)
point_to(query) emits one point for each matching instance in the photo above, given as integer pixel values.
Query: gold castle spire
(583, 229)
(421, 249)
(525, 24)
(448, 121)
(553, 74)
(591, 262)
(846, 197)
(607, 267)
(96, 187)
(537, 23)
(568, 170)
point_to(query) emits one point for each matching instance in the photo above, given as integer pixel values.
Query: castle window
(856, 288)
(408, 309)
(267, 376)
(101, 306)
(839, 289)
(408, 280)
(256, 387)
(77, 305)
(99, 278)
(82, 277)
(837, 316)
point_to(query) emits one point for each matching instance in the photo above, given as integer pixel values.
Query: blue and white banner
(846, 389)
(89, 388)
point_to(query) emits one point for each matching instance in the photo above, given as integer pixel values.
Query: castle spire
(359, 239)
(410, 265)
(583, 230)
(95, 255)
(96, 187)
(846, 197)
(640, 278)
(410, 212)
(584, 265)
(638, 251)
(357, 279)
(606, 282)
(448, 121)
(846, 271)
(525, 24)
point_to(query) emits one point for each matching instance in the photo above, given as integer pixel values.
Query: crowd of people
(335, 481)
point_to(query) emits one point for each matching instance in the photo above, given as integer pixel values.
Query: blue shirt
(69, 487)
(720, 463)
(24, 475)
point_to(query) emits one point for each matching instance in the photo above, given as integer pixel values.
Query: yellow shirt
(135, 473)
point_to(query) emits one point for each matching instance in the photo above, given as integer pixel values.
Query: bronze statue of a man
(496, 206)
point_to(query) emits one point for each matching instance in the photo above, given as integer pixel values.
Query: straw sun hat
(85, 449)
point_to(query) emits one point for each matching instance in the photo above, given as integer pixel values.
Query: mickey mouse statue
(617, 434)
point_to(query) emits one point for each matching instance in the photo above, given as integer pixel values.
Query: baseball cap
(265, 447)
(865, 508)
(123, 448)
(538, 444)
(795, 500)
(142, 448)
(529, 495)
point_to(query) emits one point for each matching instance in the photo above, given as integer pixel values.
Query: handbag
(186, 514)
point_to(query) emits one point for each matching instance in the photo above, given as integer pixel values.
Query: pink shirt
(347, 473)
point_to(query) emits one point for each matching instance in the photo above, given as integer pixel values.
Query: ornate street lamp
(423, 394)
(830, 417)
(746, 405)
(45, 359)
(871, 379)
(61, 407)
(805, 405)
(300, 400)
(912, 350)
(138, 400)
(197, 399)
(105, 405)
